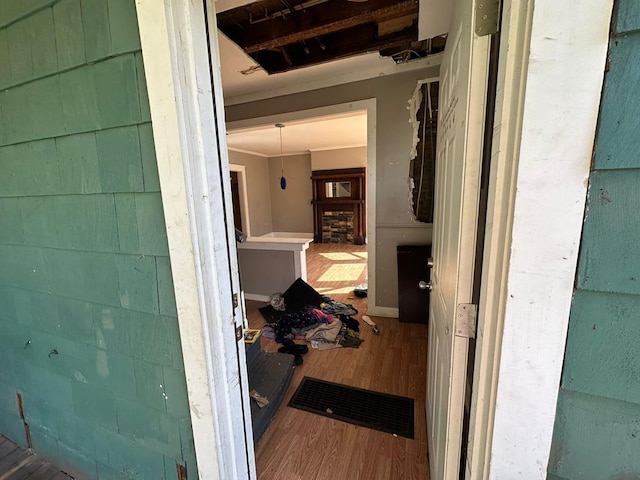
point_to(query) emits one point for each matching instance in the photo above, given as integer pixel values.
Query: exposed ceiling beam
(286, 56)
(361, 39)
(388, 27)
(318, 20)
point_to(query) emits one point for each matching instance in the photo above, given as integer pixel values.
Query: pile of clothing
(321, 321)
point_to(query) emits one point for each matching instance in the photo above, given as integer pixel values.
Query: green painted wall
(597, 431)
(89, 334)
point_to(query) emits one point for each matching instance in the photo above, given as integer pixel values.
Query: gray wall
(265, 272)
(258, 191)
(290, 208)
(393, 144)
(353, 157)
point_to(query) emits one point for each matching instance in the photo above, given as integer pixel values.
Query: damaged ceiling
(283, 35)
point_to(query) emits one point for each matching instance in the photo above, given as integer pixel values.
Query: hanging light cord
(283, 181)
(281, 157)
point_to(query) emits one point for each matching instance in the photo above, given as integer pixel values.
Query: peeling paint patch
(100, 341)
(195, 410)
(414, 105)
(107, 319)
(102, 365)
(79, 377)
(423, 112)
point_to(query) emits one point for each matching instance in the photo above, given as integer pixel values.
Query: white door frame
(553, 55)
(193, 168)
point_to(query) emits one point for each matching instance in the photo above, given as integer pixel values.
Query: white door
(458, 159)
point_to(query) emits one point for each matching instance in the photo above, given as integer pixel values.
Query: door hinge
(239, 333)
(466, 315)
(487, 17)
(235, 300)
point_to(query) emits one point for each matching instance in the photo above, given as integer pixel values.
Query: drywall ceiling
(328, 133)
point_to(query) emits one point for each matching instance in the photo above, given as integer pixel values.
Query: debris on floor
(374, 327)
(260, 400)
(361, 291)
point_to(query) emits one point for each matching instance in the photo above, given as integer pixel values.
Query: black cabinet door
(413, 302)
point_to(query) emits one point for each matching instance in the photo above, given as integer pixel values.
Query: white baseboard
(256, 297)
(382, 311)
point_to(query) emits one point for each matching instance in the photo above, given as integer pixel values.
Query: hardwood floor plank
(5, 445)
(60, 476)
(46, 472)
(10, 457)
(17, 463)
(299, 445)
(9, 462)
(26, 470)
(333, 437)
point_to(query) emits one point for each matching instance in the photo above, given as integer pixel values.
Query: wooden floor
(16, 463)
(303, 446)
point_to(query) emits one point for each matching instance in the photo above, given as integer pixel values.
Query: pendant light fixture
(283, 180)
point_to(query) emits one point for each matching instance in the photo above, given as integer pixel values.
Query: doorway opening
(334, 141)
(235, 196)
(239, 198)
(386, 357)
(393, 361)
(339, 137)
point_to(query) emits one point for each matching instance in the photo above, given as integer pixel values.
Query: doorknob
(422, 285)
(430, 262)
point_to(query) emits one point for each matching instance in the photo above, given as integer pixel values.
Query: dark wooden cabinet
(339, 214)
(413, 302)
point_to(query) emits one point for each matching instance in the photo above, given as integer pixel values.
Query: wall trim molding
(257, 297)
(248, 152)
(405, 225)
(387, 312)
(342, 147)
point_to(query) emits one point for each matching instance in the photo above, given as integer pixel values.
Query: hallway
(300, 445)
